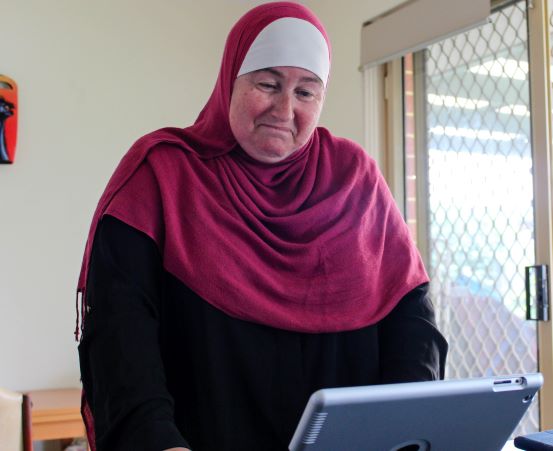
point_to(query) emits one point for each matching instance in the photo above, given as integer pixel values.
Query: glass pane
(481, 217)
(410, 146)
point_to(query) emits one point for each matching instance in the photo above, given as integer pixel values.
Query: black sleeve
(121, 366)
(411, 346)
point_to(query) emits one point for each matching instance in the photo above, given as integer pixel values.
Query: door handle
(537, 292)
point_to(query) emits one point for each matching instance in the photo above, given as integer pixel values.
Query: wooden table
(56, 414)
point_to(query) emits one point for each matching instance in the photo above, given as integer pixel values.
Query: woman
(236, 266)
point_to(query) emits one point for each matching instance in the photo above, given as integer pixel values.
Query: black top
(162, 368)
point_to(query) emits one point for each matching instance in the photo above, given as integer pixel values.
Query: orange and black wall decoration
(8, 119)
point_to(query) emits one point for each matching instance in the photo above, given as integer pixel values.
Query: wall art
(8, 119)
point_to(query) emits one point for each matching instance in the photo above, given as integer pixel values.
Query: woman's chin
(270, 154)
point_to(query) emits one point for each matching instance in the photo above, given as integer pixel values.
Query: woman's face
(274, 111)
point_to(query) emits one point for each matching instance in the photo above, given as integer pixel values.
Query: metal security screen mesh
(481, 218)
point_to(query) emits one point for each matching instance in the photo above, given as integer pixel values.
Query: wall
(93, 76)
(343, 112)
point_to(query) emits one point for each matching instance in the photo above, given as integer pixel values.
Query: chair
(14, 422)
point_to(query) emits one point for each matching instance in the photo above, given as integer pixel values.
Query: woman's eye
(267, 86)
(305, 94)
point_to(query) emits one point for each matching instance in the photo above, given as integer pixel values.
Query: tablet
(453, 415)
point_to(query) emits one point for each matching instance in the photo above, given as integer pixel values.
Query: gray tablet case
(452, 415)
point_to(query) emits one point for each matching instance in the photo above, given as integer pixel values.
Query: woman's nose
(283, 108)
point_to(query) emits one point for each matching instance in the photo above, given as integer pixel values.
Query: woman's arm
(411, 346)
(121, 367)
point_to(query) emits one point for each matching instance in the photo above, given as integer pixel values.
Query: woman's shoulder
(164, 138)
(345, 149)
(145, 157)
(162, 146)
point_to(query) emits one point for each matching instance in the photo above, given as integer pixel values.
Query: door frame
(384, 114)
(540, 110)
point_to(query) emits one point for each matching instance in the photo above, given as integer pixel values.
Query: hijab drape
(313, 243)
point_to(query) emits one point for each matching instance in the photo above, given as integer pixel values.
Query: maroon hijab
(314, 243)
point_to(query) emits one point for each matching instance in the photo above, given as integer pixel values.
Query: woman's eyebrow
(279, 74)
(311, 80)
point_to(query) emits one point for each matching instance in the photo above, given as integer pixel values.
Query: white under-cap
(289, 42)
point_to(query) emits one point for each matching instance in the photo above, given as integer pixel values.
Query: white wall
(343, 20)
(94, 76)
